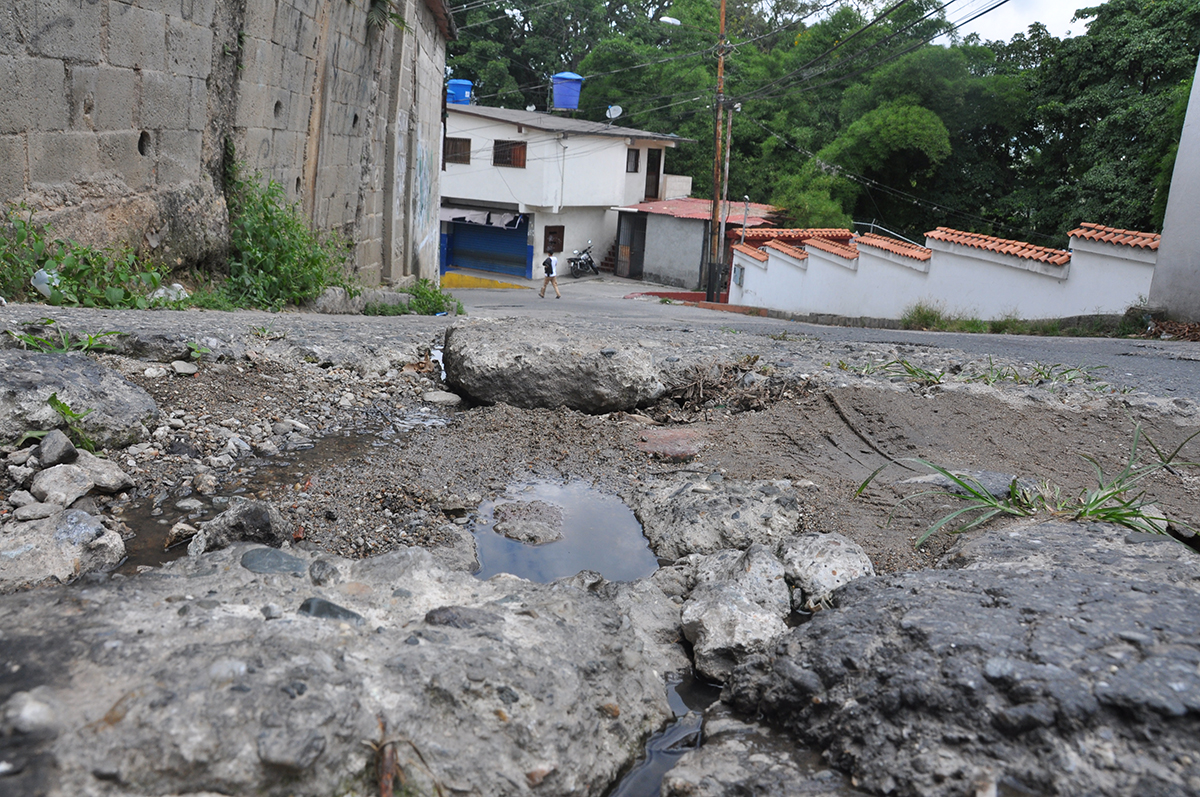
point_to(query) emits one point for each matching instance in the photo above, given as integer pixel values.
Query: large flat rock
(235, 673)
(120, 409)
(1057, 658)
(531, 364)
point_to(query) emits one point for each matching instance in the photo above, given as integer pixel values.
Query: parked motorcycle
(582, 262)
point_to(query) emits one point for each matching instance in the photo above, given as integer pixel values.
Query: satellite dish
(531, 108)
(614, 111)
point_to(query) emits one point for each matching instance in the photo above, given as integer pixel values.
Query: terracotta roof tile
(895, 247)
(793, 251)
(692, 208)
(1003, 246)
(1111, 235)
(795, 234)
(747, 249)
(848, 251)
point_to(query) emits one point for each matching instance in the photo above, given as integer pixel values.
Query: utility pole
(712, 290)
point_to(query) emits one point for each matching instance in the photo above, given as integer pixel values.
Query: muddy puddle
(151, 518)
(598, 532)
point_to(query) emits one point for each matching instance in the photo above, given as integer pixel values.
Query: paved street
(1166, 368)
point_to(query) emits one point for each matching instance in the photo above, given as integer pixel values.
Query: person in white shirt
(550, 266)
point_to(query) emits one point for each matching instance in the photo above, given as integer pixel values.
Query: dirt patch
(365, 499)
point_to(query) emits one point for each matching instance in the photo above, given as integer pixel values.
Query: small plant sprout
(61, 341)
(196, 351)
(268, 332)
(1120, 500)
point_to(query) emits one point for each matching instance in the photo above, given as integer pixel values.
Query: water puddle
(151, 518)
(599, 532)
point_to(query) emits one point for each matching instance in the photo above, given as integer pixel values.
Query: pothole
(598, 532)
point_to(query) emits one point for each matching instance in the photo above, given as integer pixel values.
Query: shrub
(277, 258)
(922, 316)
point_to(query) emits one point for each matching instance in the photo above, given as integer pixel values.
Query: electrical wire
(868, 183)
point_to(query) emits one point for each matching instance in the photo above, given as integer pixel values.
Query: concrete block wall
(116, 114)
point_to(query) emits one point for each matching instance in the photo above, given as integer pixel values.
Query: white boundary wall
(961, 280)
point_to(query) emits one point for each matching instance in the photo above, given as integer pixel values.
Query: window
(553, 239)
(458, 150)
(509, 153)
(631, 161)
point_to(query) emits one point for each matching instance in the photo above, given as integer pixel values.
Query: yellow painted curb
(453, 279)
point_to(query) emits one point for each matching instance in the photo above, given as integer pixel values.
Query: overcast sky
(1016, 16)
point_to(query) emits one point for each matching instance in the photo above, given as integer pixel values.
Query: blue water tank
(566, 90)
(458, 92)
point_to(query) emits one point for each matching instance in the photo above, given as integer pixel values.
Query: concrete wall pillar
(1176, 283)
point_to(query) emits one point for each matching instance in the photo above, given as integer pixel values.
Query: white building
(516, 184)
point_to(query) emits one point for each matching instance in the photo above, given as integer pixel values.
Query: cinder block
(12, 167)
(259, 20)
(34, 94)
(257, 149)
(301, 106)
(119, 154)
(262, 62)
(286, 31)
(199, 12)
(61, 28)
(287, 149)
(62, 157)
(279, 109)
(306, 37)
(178, 157)
(165, 101)
(253, 105)
(189, 48)
(198, 106)
(293, 70)
(136, 37)
(102, 98)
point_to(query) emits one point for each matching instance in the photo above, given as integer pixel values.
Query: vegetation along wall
(121, 120)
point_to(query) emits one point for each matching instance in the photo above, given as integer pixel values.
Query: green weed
(277, 258)
(83, 275)
(71, 419)
(1119, 500)
(923, 315)
(196, 351)
(62, 341)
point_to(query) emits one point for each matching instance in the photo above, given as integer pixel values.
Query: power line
(868, 183)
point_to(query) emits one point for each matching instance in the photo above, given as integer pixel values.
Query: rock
(323, 573)
(725, 628)
(539, 364)
(37, 511)
(740, 757)
(178, 533)
(325, 610)
(245, 521)
(530, 522)
(20, 498)
(205, 483)
(672, 445)
(61, 484)
(185, 367)
(817, 564)
(35, 713)
(57, 548)
(218, 697)
(105, 474)
(1046, 658)
(681, 516)
(120, 409)
(20, 474)
(56, 449)
(441, 398)
(738, 607)
(168, 294)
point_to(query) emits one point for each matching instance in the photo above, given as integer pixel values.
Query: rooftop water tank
(566, 90)
(458, 92)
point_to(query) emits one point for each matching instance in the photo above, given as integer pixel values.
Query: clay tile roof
(796, 235)
(848, 251)
(1111, 235)
(750, 251)
(1003, 246)
(894, 246)
(693, 208)
(780, 246)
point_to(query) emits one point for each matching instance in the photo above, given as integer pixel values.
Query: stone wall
(117, 115)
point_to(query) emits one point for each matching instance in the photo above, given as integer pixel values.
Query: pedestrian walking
(550, 266)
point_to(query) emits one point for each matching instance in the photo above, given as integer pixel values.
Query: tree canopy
(872, 112)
